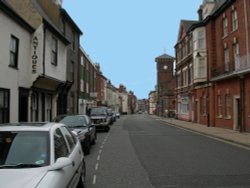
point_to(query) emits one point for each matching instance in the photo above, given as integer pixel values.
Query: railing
(241, 65)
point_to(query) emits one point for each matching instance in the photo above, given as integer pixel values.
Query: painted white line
(96, 166)
(98, 157)
(94, 179)
(100, 151)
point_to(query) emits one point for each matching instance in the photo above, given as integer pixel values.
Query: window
(236, 52)
(204, 104)
(54, 51)
(4, 105)
(225, 27)
(73, 40)
(201, 39)
(201, 67)
(49, 107)
(14, 43)
(61, 149)
(234, 20)
(69, 138)
(21, 147)
(228, 105)
(226, 59)
(34, 107)
(219, 106)
(184, 106)
(72, 71)
(63, 27)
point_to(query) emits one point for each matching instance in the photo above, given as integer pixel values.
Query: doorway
(23, 104)
(236, 112)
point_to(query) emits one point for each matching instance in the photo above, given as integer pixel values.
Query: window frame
(54, 51)
(225, 26)
(219, 106)
(235, 23)
(5, 109)
(14, 52)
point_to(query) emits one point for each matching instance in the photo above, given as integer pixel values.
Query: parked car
(40, 155)
(111, 115)
(100, 118)
(117, 115)
(81, 126)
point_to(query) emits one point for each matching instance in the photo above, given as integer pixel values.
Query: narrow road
(142, 152)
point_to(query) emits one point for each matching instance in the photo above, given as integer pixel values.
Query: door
(236, 112)
(23, 105)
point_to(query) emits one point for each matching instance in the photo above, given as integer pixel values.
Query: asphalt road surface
(141, 152)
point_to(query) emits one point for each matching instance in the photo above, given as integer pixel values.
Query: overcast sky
(125, 36)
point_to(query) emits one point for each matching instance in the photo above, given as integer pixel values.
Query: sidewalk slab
(240, 138)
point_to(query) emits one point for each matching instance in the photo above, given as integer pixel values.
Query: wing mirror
(61, 163)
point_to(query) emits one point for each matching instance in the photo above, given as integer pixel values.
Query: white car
(40, 155)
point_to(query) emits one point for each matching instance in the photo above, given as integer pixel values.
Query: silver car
(40, 155)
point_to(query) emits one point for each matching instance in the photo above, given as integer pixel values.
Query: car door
(75, 155)
(64, 178)
(91, 128)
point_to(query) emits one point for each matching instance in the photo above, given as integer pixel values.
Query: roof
(164, 56)
(32, 126)
(50, 23)
(67, 16)
(184, 27)
(7, 9)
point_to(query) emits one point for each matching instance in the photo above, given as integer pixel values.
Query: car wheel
(107, 129)
(82, 180)
(86, 149)
(93, 141)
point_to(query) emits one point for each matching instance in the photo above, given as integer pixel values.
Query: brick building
(229, 64)
(165, 84)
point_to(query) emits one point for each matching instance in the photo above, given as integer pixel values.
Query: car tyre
(86, 149)
(107, 129)
(82, 180)
(93, 141)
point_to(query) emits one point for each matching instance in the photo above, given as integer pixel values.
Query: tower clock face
(165, 67)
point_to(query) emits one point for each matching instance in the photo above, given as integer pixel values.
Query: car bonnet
(19, 178)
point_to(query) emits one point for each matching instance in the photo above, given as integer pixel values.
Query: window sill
(219, 117)
(228, 117)
(13, 67)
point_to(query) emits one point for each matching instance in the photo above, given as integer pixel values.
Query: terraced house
(46, 63)
(220, 75)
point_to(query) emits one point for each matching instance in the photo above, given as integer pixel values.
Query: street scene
(124, 95)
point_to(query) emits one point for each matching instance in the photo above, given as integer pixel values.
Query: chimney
(200, 13)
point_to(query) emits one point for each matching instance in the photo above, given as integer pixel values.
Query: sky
(125, 36)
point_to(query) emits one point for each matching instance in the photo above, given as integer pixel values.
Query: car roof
(29, 126)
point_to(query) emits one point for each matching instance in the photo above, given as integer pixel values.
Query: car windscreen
(21, 149)
(74, 121)
(98, 111)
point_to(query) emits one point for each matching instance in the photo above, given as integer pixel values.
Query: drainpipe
(246, 31)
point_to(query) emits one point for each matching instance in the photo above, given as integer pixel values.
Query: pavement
(227, 135)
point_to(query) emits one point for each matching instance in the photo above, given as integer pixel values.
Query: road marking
(94, 179)
(100, 151)
(96, 166)
(98, 157)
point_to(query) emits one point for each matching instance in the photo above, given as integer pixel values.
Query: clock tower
(165, 85)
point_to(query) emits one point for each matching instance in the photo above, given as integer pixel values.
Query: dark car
(100, 118)
(81, 126)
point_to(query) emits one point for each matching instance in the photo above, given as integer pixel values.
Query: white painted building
(15, 63)
(32, 66)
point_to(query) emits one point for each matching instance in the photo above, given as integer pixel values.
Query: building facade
(15, 65)
(165, 85)
(229, 64)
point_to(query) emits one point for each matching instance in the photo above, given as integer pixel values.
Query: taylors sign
(34, 55)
